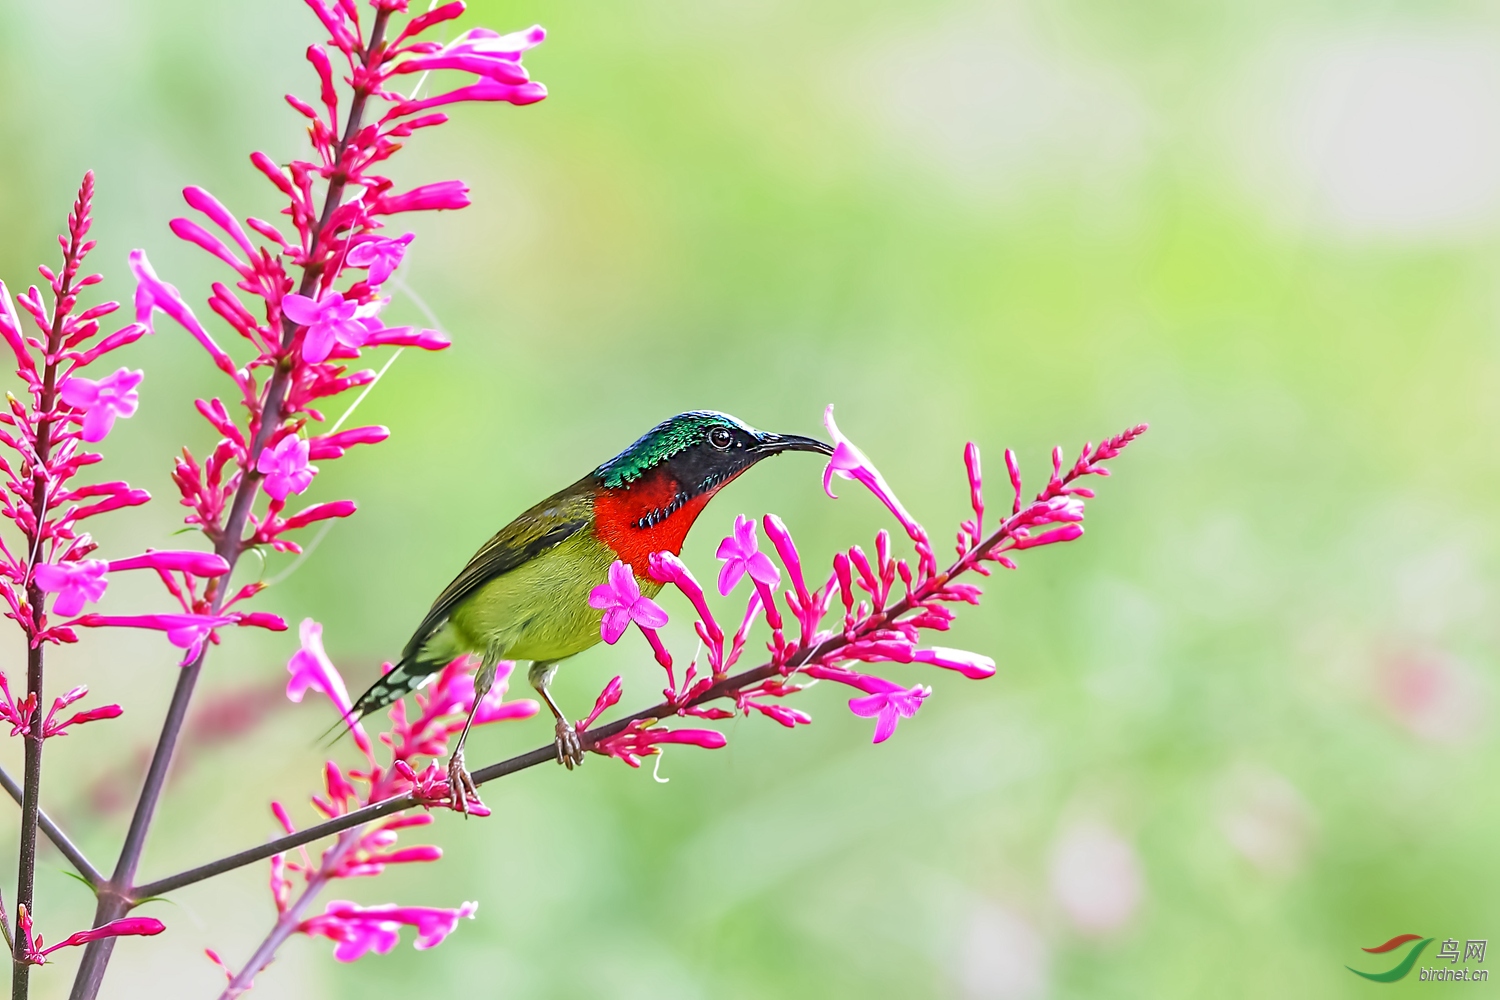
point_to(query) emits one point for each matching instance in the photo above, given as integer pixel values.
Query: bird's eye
(719, 437)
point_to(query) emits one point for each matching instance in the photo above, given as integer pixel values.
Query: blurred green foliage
(1268, 667)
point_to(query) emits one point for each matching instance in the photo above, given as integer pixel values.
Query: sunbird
(525, 594)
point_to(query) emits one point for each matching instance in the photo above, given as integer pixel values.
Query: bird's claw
(461, 785)
(569, 746)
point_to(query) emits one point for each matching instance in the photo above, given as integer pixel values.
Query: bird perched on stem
(525, 594)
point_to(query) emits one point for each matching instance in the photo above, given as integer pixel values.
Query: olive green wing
(543, 527)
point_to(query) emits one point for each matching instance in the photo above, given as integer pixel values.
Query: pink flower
(489, 44)
(850, 463)
(608, 697)
(124, 927)
(311, 668)
(358, 930)
(74, 583)
(185, 631)
(889, 706)
(621, 598)
(494, 58)
(667, 568)
(741, 554)
(102, 401)
(50, 725)
(152, 294)
(192, 563)
(637, 740)
(329, 320)
(285, 467)
(971, 665)
(380, 255)
(435, 197)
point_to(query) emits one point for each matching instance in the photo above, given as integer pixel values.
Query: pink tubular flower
(285, 467)
(311, 668)
(52, 727)
(152, 294)
(971, 665)
(124, 927)
(329, 320)
(494, 58)
(437, 197)
(102, 401)
(358, 930)
(186, 631)
(889, 707)
(622, 603)
(851, 463)
(194, 563)
(379, 255)
(741, 554)
(74, 583)
(638, 740)
(608, 697)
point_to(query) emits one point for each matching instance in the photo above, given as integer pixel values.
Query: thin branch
(541, 755)
(287, 923)
(727, 686)
(54, 833)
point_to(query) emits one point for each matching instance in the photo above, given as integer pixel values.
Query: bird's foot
(569, 746)
(461, 785)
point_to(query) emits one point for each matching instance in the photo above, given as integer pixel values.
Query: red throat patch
(618, 513)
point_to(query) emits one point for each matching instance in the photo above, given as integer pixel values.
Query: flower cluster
(308, 302)
(887, 604)
(367, 850)
(304, 296)
(50, 435)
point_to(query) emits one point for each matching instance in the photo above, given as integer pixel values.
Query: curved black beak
(772, 444)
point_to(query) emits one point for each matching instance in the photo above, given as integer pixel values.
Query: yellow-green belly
(538, 611)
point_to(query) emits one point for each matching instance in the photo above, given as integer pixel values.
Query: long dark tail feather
(406, 676)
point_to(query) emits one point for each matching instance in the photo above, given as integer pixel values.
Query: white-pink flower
(102, 401)
(741, 554)
(622, 603)
(285, 467)
(74, 583)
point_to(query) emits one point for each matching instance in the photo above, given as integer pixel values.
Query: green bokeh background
(1268, 669)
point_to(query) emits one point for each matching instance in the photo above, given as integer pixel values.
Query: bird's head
(702, 450)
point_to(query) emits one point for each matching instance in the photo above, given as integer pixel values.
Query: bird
(525, 594)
